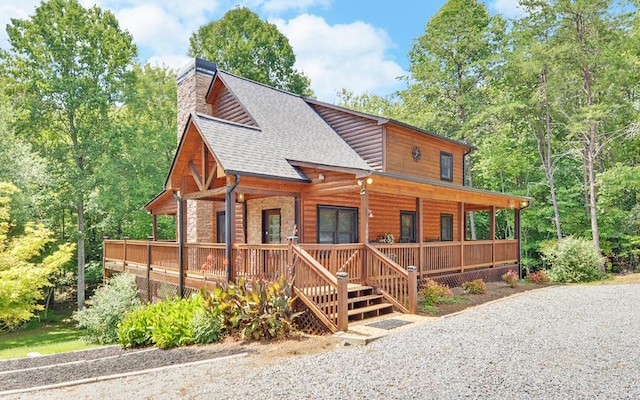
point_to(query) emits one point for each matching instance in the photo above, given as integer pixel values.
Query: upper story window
(446, 166)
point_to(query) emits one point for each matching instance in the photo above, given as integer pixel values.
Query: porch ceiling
(474, 199)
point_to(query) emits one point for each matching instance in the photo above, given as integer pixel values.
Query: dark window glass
(221, 223)
(446, 227)
(446, 166)
(337, 224)
(407, 227)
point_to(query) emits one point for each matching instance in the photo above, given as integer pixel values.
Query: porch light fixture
(370, 213)
(241, 197)
(359, 182)
(321, 177)
(524, 204)
(369, 180)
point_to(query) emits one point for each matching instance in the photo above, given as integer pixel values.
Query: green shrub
(207, 327)
(573, 260)
(172, 323)
(476, 286)
(137, 327)
(538, 277)
(433, 292)
(511, 277)
(106, 309)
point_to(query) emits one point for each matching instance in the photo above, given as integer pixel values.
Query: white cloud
(173, 61)
(350, 56)
(153, 27)
(508, 8)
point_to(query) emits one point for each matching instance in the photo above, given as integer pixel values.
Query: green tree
(450, 71)
(24, 273)
(145, 142)
(590, 57)
(243, 44)
(69, 66)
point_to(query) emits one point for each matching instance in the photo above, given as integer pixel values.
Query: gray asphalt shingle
(289, 130)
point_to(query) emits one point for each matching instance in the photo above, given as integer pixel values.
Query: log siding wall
(363, 135)
(226, 106)
(400, 143)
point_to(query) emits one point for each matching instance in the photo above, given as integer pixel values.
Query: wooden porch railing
(386, 275)
(255, 261)
(338, 258)
(317, 288)
(383, 266)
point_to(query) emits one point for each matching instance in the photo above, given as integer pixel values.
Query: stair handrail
(304, 259)
(399, 300)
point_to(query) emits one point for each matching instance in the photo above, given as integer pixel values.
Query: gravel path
(569, 342)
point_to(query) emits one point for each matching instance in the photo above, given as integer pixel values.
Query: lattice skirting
(308, 322)
(488, 275)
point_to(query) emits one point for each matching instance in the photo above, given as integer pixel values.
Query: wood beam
(213, 174)
(196, 175)
(205, 193)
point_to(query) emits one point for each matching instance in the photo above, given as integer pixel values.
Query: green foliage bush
(172, 323)
(476, 286)
(252, 310)
(106, 309)
(433, 292)
(511, 277)
(573, 260)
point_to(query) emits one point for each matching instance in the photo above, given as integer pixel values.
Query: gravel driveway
(566, 342)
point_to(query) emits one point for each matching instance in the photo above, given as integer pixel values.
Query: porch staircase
(364, 302)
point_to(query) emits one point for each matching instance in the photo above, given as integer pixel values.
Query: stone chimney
(193, 82)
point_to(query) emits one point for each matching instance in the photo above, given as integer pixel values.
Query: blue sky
(359, 45)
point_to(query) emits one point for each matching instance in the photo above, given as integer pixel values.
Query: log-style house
(354, 208)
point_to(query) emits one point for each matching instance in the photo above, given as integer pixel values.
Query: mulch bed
(495, 291)
(30, 372)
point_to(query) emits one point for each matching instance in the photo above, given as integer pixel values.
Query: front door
(271, 226)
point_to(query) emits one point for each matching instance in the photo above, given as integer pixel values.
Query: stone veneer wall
(192, 89)
(200, 227)
(254, 217)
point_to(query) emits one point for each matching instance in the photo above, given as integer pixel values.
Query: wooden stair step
(369, 297)
(367, 309)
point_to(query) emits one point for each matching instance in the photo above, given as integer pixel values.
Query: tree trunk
(81, 256)
(545, 151)
(591, 161)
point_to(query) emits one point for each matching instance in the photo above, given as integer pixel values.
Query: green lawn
(57, 336)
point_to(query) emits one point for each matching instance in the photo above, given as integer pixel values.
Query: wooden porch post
(518, 232)
(413, 289)
(461, 232)
(364, 214)
(149, 252)
(363, 229)
(124, 261)
(154, 217)
(343, 307)
(492, 234)
(420, 233)
(182, 235)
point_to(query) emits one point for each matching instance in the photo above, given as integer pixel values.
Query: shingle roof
(289, 130)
